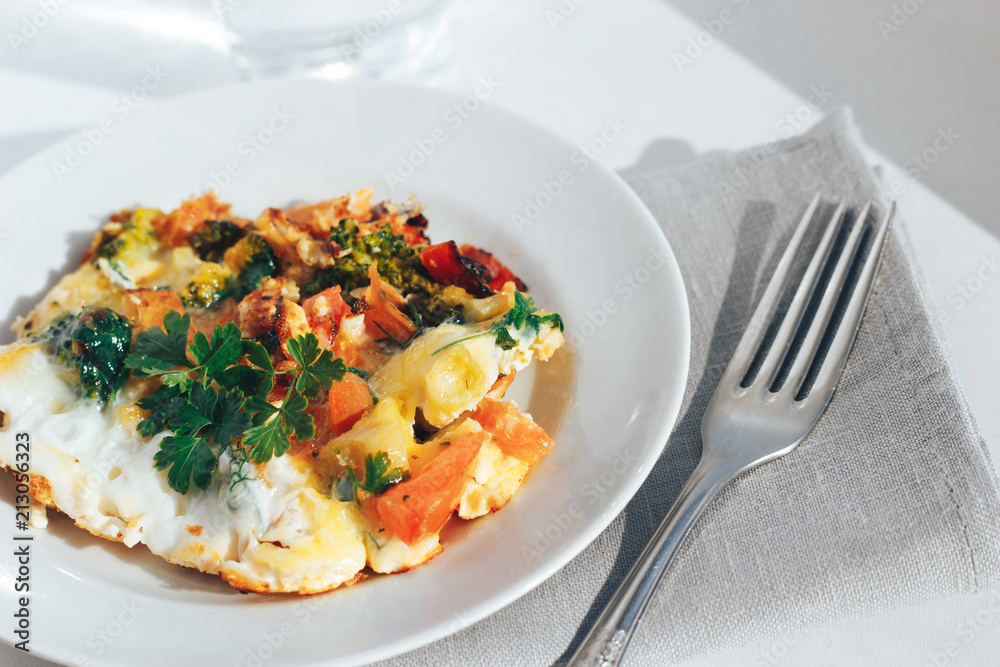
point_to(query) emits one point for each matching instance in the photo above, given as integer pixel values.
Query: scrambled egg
(293, 523)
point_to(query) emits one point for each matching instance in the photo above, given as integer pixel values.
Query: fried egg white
(277, 532)
(278, 529)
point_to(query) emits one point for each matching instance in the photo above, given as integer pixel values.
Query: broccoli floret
(242, 269)
(398, 263)
(209, 286)
(345, 234)
(95, 342)
(251, 260)
(218, 236)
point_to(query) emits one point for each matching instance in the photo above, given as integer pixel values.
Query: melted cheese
(440, 374)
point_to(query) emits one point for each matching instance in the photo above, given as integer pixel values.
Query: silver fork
(750, 420)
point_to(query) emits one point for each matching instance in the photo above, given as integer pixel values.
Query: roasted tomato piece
(349, 400)
(497, 273)
(421, 505)
(384, 317)
(514, 432)
(414, 230)
(449, 267)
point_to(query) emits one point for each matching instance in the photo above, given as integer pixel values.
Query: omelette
(291, 402)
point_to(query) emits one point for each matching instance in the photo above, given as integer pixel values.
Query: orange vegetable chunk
(383, 317)
(420, 506)
(514, 432)
(148, 307)
(349, 400)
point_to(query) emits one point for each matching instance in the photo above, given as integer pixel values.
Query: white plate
(593, 253)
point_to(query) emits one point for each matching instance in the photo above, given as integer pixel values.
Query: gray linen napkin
(891, 500)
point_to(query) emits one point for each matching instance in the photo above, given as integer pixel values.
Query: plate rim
(592, 532)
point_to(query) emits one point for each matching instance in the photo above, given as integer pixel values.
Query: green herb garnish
(211, 399)
(95, 342)
(523, 316)
(379, 475)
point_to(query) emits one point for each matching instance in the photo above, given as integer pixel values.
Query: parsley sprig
(379, 475)
(214, 395)
(523, 316)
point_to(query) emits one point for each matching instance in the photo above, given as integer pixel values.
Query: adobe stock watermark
(22, 542)
(563, 11)
(919, 164)
(967, 290)
(453, 118)
(588, 493)
(32, 26)
(272, 641)
(898, 17)
(698, 43)
(787, 126)
(550, 190)
(121, 107)
(247, 150)
(103, 638)
(970, 628)
(366, 33)
(777, 649)
(625, 288)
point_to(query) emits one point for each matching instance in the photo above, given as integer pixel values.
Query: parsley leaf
(379, 474)
(319, 369)
(159, 350)
(267, 440)
(523, 316)
(504, 340)
(257, 355)
(160, 405)
(304, 349)
(249, 381)
(553, 320)
(194, 414)
(220, 398)
(225, 349)
(296, 419)
(230, 419)
(188, 459)
(260, 409)
(272, 426)
(517, 316)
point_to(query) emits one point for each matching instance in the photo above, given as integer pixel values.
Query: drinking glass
(335, 38)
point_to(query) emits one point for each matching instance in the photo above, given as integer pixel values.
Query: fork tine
(803, 294)
(824, 312)
(843, 340)
(754, 334)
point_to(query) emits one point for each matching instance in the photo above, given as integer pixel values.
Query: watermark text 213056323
(22, 541)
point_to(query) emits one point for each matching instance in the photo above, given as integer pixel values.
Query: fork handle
(607, 640)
